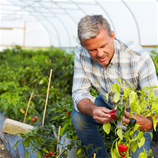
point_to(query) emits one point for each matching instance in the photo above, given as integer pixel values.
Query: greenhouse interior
(39, 50)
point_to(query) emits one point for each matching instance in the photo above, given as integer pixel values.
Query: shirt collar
(115, 53)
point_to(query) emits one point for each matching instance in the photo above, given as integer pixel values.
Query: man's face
(101, 48)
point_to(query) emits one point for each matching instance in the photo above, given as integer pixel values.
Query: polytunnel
(41, 23)
(24, 72)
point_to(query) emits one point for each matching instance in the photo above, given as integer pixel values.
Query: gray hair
(88, 26)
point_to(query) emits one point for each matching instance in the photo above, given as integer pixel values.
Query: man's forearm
(86, 106)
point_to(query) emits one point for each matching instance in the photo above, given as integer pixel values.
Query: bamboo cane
(28, 106)
(46, 98)
(58, 138)
(94, 155)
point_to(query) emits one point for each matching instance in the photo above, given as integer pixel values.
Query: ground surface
(5, 154)
(3, 151)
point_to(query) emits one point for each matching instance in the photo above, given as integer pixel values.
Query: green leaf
(26, 154)
(155, 108)
(136, 127)
(143, 155)
(116, 97)
(154, 122)
(17, 143)
(126, 92)
(98, 148)
(63, 129)
(33, 147)
(15, 110)
(142, 141)
(44, 150)
(66, 152)
(154, 105)
(150, 151)
(39, 154)
(129, 84)
(64, 117)
(41, 81)
(138, 107)
(53, 109)
(132, 97)
(116, 88)
(120, 133)
(107, 96)
(151, 134)
(79, 151)
(27, 142)
(116, 147)
(134, 147)
(133, 107)
(107, 127)
(56, 117)
(113, 154)
(119, 79)
(151, 94)
(139, 136)
(131, 133)
(126, 135)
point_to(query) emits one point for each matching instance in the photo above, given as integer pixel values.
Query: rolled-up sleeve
(81, 84)
(147, 72)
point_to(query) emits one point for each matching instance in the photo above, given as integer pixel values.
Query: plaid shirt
(130, 62)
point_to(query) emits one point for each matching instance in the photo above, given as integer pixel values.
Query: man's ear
(112, 35)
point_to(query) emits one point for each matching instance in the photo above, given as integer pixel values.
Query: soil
(3, 151)
(5, 154)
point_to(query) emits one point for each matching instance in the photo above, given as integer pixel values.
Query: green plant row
(24, 71)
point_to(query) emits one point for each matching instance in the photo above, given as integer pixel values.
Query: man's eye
(104, 46)
(91, 51)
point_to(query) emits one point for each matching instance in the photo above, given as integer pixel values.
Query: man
(99, 61)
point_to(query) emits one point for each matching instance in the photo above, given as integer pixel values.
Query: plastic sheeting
(19, 151)
(54, 22)
(10, 140)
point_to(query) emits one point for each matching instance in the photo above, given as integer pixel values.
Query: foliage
(24, 71)
(142, 102)
(63, 117)
(28, 67)
(13, 101)
(40, 139)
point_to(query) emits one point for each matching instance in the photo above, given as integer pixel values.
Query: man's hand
(146, 123)
(100, 114)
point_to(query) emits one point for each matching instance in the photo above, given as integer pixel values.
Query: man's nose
(100, 52)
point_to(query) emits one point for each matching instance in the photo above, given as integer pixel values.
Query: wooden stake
(59, 152)
(47, 98)
(28, 106)
(58, 138)
(94, 155)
